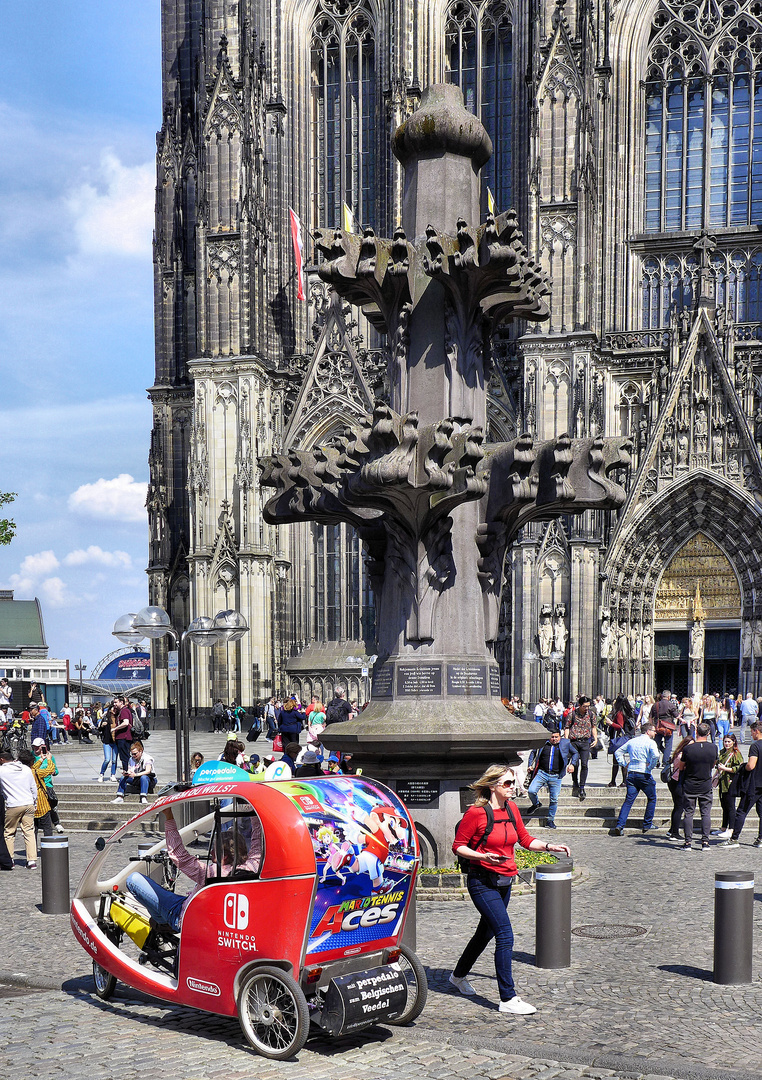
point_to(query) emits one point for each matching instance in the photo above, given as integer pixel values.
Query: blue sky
(80, 103)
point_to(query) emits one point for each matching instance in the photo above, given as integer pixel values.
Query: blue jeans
(637, 782)
(492, 904)
(109, 758)
(723, 728)
(144, 782)
(164, 906)
(552, 781)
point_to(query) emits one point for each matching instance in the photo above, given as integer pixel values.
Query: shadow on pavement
(687, 970)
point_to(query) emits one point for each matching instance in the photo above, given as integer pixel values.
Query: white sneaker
(726, 835)
(463, 985)
(143, 799)
(100, 778)
(59, 828)
(114, 779)
(118, 799)
(517, 1007)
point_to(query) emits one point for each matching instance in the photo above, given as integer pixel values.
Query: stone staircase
(88, 808)
(601, 808)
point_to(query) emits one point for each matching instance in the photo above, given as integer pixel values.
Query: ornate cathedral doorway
(697, 622)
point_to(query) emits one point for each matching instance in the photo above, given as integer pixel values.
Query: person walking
(675, 785)
(621, 730)
(486, 837)
(749, 713)
(122, 732)
(729, 764)
(750, 786)
(550, 763)
(582, 733)
(108, 721)
(697, 761)
(19, 789)
(641, 756)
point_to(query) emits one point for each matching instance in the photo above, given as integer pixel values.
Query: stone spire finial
(441, 125)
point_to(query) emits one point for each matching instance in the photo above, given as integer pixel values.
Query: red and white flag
(296, 236)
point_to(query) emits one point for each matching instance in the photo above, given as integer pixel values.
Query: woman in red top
(491, 874)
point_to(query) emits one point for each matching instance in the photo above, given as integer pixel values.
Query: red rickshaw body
(340, 857)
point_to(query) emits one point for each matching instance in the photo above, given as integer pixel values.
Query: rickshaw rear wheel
(105, 982)
(273, 1013)
(417, 987)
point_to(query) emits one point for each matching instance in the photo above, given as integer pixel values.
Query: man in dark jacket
(339, 709)
(664, 715)
(550, 763)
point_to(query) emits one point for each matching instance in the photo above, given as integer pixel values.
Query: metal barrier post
(553, 915)
(733, 926)
(54, 855)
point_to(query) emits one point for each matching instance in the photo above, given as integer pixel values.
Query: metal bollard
(54, 854)
(553, 915)
(733, 926)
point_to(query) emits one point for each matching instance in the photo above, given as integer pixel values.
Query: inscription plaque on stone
(419, 680)
(383, 681)
(418, 792)
(494, 681)
(467, 680)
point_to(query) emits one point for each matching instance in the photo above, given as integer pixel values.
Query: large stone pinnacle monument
(435, 506)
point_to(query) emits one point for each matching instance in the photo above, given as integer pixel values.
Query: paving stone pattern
(643, 1008)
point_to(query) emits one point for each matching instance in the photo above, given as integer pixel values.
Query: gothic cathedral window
(703, 152)
(479, 58)
(343, 123)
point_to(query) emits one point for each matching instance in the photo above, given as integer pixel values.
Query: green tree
(7, 525)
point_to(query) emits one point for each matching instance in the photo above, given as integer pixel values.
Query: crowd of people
(690, 740)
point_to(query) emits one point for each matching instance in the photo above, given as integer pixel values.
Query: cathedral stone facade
(628, 136)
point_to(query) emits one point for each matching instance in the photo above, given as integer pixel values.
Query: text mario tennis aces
(362, 913)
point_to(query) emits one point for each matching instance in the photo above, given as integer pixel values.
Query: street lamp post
(154, 622)
(80, 667)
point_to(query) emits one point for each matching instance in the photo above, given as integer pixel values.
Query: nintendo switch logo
(236, 911)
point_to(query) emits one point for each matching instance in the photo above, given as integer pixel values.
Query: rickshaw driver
(167, 907)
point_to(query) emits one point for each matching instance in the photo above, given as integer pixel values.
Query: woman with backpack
(485, 839)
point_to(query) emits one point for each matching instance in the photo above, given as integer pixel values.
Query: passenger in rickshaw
(167, 907)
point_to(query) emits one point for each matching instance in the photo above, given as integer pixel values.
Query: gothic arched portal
(698, 602)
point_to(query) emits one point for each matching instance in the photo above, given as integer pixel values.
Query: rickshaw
(314, 936)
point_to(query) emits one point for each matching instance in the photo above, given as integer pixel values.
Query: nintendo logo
(203, 987)
(236, 911)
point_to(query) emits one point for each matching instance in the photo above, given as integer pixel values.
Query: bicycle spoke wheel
(105, 982)
(417, 986)
(273, 1013)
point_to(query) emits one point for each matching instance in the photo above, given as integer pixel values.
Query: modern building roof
(21, 624)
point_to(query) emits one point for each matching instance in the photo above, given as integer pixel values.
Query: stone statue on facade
(747, 638)
(757, 638)
(635, 642)
(648, 641)
(623, 644)
(697, 640)
(545, 632)
(606, 634)
(560, 632)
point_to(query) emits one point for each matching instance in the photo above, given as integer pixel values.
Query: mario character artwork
(366, 855)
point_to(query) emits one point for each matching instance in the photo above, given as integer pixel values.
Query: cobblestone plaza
(633, 1007)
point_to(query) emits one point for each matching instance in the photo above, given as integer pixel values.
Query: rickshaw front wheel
(105, 982)
(417, 987)
(273, 1013)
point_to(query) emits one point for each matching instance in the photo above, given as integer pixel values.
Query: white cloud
(54, 592)
(121, 499)
(94, 554)
(114, 215)
(39, 565)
